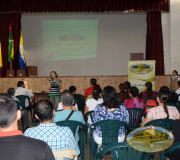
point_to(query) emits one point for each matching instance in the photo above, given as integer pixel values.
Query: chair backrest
(73, 125)
(65, 153)
(87, 115)
(164, 123)
(121, 151)
(169, 151)
(135, 115)
(18, 104)
(152, 98)
(110, 129)
(22, 101)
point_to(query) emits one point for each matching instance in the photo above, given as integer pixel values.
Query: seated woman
(93, 102)
(162, 111)
(110, 109)
(124, 94)
(148, 93)
(134, 101)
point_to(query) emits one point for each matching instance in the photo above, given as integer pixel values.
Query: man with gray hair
(67, 100)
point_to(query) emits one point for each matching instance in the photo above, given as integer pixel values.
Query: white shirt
(178, 92)
(25, 92)
(60, 107)
(91, 104)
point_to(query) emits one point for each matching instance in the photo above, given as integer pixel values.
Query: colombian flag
(21, 53)
(11, 46)
(1, 62)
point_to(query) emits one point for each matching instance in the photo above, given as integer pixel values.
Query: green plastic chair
(152, 98)
(110, 129)
(164, 123)
(135, 115)
(22, 100)
(120, 151)
(170, 151)
(88, 128)
(73, 125)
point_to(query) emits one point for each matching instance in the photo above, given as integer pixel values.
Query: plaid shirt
(58, 138)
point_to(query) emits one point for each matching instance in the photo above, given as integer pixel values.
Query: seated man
(24, 113)
(13, 145)
(58, 138)
(67, 101)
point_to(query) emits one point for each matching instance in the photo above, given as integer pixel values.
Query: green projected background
(69, 39)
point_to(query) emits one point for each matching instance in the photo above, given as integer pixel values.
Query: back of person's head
(8, 110)
(164, 89)
(72, 89)
(163, 98)
(96, 92)
(93, 81)
(11, 91)
(110, 99)
(44, 110)
(122, 87)
(149, 89)
(67, 98)
(127, 84)
(20, 83)
(134, 91)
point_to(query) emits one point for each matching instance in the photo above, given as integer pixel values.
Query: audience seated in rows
(93, 102)
(13, 145)
(67, 101)
(134, 101)
(123, 94)
(148, 93)
(163, 111)
(110, 109)
(58, 138)
(24, 112)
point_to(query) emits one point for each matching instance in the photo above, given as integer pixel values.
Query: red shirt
(88, 91)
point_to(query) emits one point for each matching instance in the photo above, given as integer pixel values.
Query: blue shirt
(101, 113)
(76, 116)
(58, 138)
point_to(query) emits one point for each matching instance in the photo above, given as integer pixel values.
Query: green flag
(11, 46)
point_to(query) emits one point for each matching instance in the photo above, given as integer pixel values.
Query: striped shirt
(54, 90)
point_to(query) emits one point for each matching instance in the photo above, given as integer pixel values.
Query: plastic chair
(164, 123)
(174, 147)
(135, 115)
(88, 129)
(121, 151)
(73, 125)
(65, 153)
(110, 129)
(152, 98)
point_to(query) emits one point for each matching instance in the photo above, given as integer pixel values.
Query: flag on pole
(11, 46)
(1, 62)
(21, 53)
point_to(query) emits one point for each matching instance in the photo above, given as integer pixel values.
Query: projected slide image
(69, 39)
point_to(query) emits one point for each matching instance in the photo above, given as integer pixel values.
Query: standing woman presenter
(54, 89)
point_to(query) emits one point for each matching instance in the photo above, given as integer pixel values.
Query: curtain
(15, 20)
(81, 5)
(154, 40)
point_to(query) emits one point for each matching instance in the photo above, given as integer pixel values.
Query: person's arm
(86, 109)
(49, 84)
(145, 121)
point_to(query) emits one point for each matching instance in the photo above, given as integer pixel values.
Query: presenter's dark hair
(110, 99)
(72, 89)
(54, 73)
(93, 81)
(176, 72)
(164, 97)
(134, 91)
(20, 83)
(67, 98)
(44, 110)
(8, 110)
(11, 91)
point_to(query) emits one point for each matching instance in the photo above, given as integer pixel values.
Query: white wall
(118, 36)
